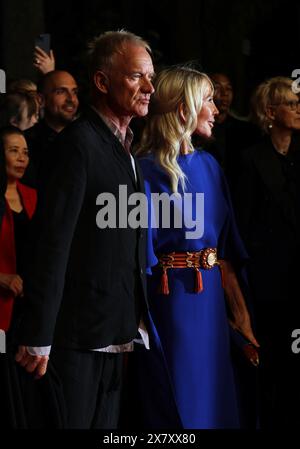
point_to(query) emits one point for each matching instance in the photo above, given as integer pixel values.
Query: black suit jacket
(268, 216)
(39, 139)
(85, 285)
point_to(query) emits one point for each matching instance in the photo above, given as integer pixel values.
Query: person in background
(230, 135)
(19, 110)
(187, 378)
(268, 199)
(25, 86)
(19, 207)
(3, 183)
(58, 96)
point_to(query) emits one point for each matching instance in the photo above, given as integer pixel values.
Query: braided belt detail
(205, 259)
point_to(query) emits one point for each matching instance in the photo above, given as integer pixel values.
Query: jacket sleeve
(54, 225)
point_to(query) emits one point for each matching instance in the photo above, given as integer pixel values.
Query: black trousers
(91, 384)
(27, 403)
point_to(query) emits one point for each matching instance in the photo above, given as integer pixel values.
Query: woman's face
(206, 116)
(286, 115)
(16, 156)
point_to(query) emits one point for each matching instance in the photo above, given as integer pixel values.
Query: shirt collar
(129, 134)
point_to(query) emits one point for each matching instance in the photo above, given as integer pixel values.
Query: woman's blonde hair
(273, 91)
(165, 131)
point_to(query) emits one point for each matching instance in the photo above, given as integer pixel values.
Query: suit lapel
(111, 139)
(124, 159)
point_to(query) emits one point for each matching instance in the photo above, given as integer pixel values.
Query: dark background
(250, 39)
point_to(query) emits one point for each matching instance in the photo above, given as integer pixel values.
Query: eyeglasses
(293, 104)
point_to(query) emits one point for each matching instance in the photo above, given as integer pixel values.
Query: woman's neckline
(184, 155)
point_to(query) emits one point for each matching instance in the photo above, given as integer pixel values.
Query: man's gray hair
(103, 48)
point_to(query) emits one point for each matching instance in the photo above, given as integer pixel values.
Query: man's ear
(101, 81)
(182, 112)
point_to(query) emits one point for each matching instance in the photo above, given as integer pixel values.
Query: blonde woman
(187, 376)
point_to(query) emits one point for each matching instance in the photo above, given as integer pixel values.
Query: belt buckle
(208, 258)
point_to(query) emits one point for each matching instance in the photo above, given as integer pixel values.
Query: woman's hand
(242, 324)
(42, 61)
(12, 282)
(240, 319)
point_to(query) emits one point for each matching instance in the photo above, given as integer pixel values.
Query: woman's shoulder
(147, 162)
(29, 198)
(207, 158)
(26, 190)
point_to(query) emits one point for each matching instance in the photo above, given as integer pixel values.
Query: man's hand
(12, 282)
(32, 363)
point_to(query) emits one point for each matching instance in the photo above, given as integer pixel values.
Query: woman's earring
(270, 125)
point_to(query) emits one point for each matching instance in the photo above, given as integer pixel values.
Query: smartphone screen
(43, 41)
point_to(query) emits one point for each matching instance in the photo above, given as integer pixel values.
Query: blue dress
(187, 377)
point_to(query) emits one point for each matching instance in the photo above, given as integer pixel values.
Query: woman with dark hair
(20, 202)
(18, 206)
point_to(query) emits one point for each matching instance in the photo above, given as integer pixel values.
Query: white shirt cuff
(38, 350)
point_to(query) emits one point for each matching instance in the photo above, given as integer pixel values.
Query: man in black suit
(86, 286)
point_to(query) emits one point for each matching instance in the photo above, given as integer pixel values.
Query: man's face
(130, 82)
(223, 92)
(60, 98)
